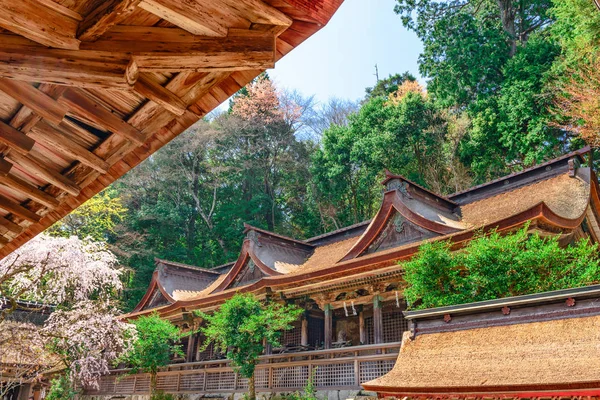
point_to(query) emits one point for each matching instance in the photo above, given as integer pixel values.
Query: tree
(577, 84)
(404, 132)
(155, 345)
(384, 87)
(493, 266)
(81, 279)
(60, 271)
(241, 326)
(493, 62)
(88, 339)
(96, 218)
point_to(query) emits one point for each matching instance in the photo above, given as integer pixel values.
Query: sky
(339, 60)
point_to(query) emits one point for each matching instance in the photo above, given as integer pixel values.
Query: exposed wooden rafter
(39, 22)
(103, 17)
(90, 88)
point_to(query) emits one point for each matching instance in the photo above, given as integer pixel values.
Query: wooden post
(361, 327)
(377, 320)
(328, 325)
(189, 355)
(268, 347)
(304, 333)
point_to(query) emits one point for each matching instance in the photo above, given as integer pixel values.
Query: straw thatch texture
(567, 197)
(556, 352)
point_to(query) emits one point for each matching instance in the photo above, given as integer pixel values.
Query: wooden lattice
(292, 336)
(191, 382)
(290, 377)
(335, 375)
(167, 383)
(370, 370)
(394, 325)
(220, 380)
(142, 384)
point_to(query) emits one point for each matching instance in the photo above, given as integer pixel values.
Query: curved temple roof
(554, 197)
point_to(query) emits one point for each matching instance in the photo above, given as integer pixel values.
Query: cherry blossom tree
(80, 279)
(58, 271)
(88, 339)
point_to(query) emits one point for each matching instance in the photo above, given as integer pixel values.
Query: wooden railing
(334, 369)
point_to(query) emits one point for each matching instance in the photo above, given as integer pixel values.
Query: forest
(510, 83)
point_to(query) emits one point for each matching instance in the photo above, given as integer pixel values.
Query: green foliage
(162, 396)
(61, 389)
(239, 327)
(96, 218)
(493, 266)
(384, 87)
(155, 346)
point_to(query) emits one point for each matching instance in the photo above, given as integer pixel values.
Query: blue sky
(339, 60)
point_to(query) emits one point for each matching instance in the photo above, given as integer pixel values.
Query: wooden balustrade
(333, 369)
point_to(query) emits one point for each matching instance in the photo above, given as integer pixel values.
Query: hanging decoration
(353, 309)
(345, 309)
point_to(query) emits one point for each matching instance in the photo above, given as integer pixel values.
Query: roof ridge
(578, 152)
(248, 227)
(339, 230)
(188, 266)
(389, 176)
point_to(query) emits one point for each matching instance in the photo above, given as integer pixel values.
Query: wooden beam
(8, 226)
(172, 49)
(24, 60)
(115, 63)
(42, 104)
(192, 16)
(35, 21)
(15, 139)
(54, 138)
(18, 210)
(19, 185)
(162, 96)
(104, 17)
(37, 168)
(5, 167)
(81, 104)
(256, 11)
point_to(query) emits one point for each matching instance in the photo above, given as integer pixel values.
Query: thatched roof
(515, 346)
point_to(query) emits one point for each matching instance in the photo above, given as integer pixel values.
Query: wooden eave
(90, 88)
(152, 288)
(245, 256)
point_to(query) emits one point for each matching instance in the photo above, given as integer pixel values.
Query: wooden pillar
(189, 355)
(361, 327)
(328, 325)
(377, 320)
(304, 333)
(267, 346)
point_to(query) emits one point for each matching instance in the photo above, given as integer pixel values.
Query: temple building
(350, 284)
(536, 346)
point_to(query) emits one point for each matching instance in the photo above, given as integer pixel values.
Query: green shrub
(61, 389)
(493, 266)
(162, 396)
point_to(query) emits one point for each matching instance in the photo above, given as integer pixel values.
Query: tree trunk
(251, 388)
(507, 16)
(152, 384)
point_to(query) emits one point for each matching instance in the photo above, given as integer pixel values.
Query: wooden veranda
(90, 88)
